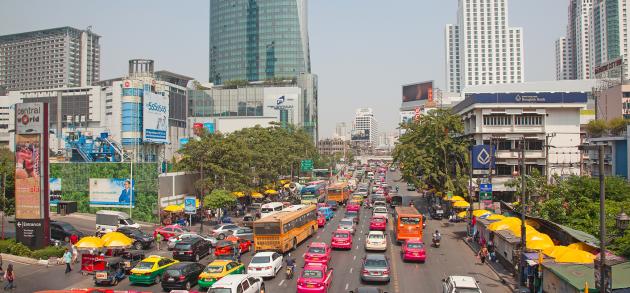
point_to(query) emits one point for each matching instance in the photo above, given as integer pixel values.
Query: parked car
(341, 239)
(169, 231)
(237, 284)
(375, 268)
(174, 240)
(333, 204)
(413, 250)
(315, 277)
(150, 269)
(378, 223)
(183, 275)
(217, 270)
(376, 240)
(265, 264)
(141, 240)
(248, 220)
(347, 224)
(222, 230)
(62, 231)
(455, 284)
(192, 249)
(317, 252)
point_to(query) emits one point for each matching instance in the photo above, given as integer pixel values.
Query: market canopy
(479, 213)
(538, 241)
(89, 242)
(529, 230)
(457, 198)
(462, 214)
(576, 256)
(117, 242)
(114, 235)
(271, 192)
(493, 217)
(505, 224)
(555, 251)
(461, 204)
(174, 208)
(582, 246)
(257, 195)
(238, 193)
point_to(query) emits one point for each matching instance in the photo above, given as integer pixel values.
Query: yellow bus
(339, 192)
(285, 230)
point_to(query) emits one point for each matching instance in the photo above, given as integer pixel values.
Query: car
(315, 278)
(62, 231)
(149, 270)
(183, 275)
(169, 231)
(174, 240)
(321, 220)
(379, 202)
(141, 240)
(217, 270)
(347, 224)
(192, 249)
(341, 239)
(382, 211)
(238, 283)
(411, 187)
(413, 250)
(392, 169)
(375, 268)
(248, 220)
(226, 247)
(328, 212)
(353, 206)
(376, 240)
(317, 252)
(436, 212)
(455, 284)
(223, 230)
(333, 204)
(378, 223)
(352, 214)
(243, 232)
(367, 290)
(265, 264)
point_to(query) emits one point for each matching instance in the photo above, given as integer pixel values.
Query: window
(528, 120)
(497, 120)
(503, 170)
(534, 145)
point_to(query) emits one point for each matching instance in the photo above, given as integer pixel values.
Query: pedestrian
(67, 259)
(483, 254)
(75, 254)
(158, 240)
(491, 255)
(9, 276)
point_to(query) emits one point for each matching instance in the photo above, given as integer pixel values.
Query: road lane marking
(351, 270)
(347, 285)
(317, 237)
(354, 258)
(281, 282)
(394, 268)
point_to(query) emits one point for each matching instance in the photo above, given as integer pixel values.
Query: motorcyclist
(290, 261)
(437, 236)
(397, 188)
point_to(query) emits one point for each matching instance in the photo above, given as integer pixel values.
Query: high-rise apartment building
(342, 131)
(51, 58)
(574, 60)
(482, 48)
(257, 40)
(365, 127)
(563, 60)
(608, 37)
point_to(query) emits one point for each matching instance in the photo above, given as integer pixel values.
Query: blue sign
(485, 187)
(190, 205)
(483, 156)
(521, 98)
(209, 126)
(183, 141)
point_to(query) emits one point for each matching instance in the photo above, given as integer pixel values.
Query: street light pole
(602, 220)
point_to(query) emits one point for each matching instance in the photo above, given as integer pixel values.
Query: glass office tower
(256, 40)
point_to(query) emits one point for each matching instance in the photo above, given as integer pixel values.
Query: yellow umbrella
(479, 213)
(174, 208)
(118, 242)
(461, 204)
(555, 251)
(257, 195)
(113, 235)
(504, 224)
(89, 242)
(529, 230)
(271, 191)
(238, 193)
(576, 256)
(462, 214)
(287, 185)
(581, 246)
(457, 198)
(538, 241)
(495, 217)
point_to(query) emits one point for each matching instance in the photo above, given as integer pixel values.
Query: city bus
(407, 223)
(285, 230)
(314, 193)
(271, 208)
(339, 192)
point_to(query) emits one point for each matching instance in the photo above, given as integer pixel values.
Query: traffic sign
(306, 165)
(485, 192)
(485, 187)
(190, 205)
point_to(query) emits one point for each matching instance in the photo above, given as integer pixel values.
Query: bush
(5, 244)
(49, 251)
(9, 246)
(19, 249)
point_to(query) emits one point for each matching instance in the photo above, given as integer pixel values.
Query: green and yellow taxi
(217, 270)
(149, 270)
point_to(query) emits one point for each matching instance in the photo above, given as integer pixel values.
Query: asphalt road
(452, 258)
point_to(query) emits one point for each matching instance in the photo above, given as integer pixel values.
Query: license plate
(316, 258)
(101, 275)
(259, 269)
(375, 273)
(415, 254)
(310, 285)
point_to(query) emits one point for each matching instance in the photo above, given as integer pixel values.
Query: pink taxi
(378, 223)
(353, 206)
(341, 239)
(315, 278)
(321, 220)
(317, 252)
(413, 250)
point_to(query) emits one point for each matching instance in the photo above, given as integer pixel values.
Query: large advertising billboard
(155, 118)
(360, 135)
(418, 91)
(31, 175)
(111, 192)
(55, 194)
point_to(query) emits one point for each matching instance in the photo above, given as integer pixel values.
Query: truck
(109, 221)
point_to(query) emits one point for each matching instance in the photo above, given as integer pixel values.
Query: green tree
(617, 125)
(596, 128)
(7, 168)
(219, 198)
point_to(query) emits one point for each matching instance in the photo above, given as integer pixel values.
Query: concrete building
(52, 58)
(7, 121)
(331, 146)
(613, 102)
(608, 38)
(365, 128)
(547, 115)
(482, 48)
(582, 46)
(342, 131)
(616, 155)
(410, 109)
(563, 60)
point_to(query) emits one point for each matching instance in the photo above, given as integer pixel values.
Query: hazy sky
(362, 50)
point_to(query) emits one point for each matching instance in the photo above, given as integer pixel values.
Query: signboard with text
(155, 118)
(112, 192)
(306, 165)
(190, 205)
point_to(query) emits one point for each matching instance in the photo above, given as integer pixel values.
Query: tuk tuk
(436, 212)
(397, 201)
(111, 272)
(131, 259)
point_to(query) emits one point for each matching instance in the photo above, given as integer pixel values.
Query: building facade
(575, 59)
(608, 38)
(53, 58)
(342, 131)
(365, 128)
(330, 146)
(257, 40)
(563, 60)
(482, 48)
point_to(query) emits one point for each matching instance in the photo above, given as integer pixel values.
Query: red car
(353, 206)
(413, 250)
(317, 252)
(341, 239)
(315, 278)
(170, 231)
(226, 247)
(321, 220)
(378, 223)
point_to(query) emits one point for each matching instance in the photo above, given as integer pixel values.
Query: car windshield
(345, 223)
(260, 259)
(375, 263)
(129, 221)
(312, 274)
(144, 265)
(316, 250)
(466, 290)
(380, 211)
(267, 210)
(136, 232)
(410, 220)
(415, 245)
(351, 213)
(376, 236)
(213, 269)
(341, 235)
(67, 227)
(220, 290)
(173, 273)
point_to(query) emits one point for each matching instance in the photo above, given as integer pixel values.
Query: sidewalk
(505, 275)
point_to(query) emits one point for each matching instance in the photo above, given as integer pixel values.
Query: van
(109, 221)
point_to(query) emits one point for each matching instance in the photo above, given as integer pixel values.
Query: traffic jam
(246, 257)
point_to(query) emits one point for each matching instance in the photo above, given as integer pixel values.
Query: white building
(481, 48)
(342, 131)
(7, 121)
(563, 60)
(365, 127)
(546, 114)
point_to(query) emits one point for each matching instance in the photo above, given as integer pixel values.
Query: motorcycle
(436, 242)
(289, 272)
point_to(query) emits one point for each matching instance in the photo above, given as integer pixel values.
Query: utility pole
(521, 266)
(4, 199)
(547, 146)
(602, 219)
(201, 201)
(471, 191)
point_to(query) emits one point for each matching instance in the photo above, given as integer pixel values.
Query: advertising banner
(111, 192)
(483, 156)
(27, 177)
(209, 126)
(55, 191)
(155, 118)
(418, 92)
(190, 205)
(360, 135)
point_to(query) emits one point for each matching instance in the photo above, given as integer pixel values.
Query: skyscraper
(365, 128)
(563, 60)
(51, 58)
(257, 40)
(482, 48)
(608, 37)
(573, 61)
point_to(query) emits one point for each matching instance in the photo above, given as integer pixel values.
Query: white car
(380, 203)
(376, 240)
(174, 240)
(265, 264)
(347, 224)
(379, 211)
(222, 230)
(455, 284)
(237, 284)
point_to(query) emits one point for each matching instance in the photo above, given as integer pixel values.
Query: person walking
(158, 240)
(75, 254)
(9, 276)
(483, 254)
(491, 255)
(67, 259)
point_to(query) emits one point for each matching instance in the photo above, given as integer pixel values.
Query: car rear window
(312, 274)
(260, 259)
(378, 219)
(415, 245)
(220, 290)
(341, 235)
(316, 250)
(345, 223)
(182, 246)
(145, 265)
(376, 236)
(173, 273)
(351, 213)
(377, 263)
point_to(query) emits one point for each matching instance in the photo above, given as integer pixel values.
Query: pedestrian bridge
(366, 158)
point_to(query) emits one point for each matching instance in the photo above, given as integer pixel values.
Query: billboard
(111, 192)
(418, 92)
(407, 116)
(54, 195)
(483, 156)
(360, 135)
(28, 176)
(155, 118)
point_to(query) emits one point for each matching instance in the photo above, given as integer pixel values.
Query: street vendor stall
(90, 248)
